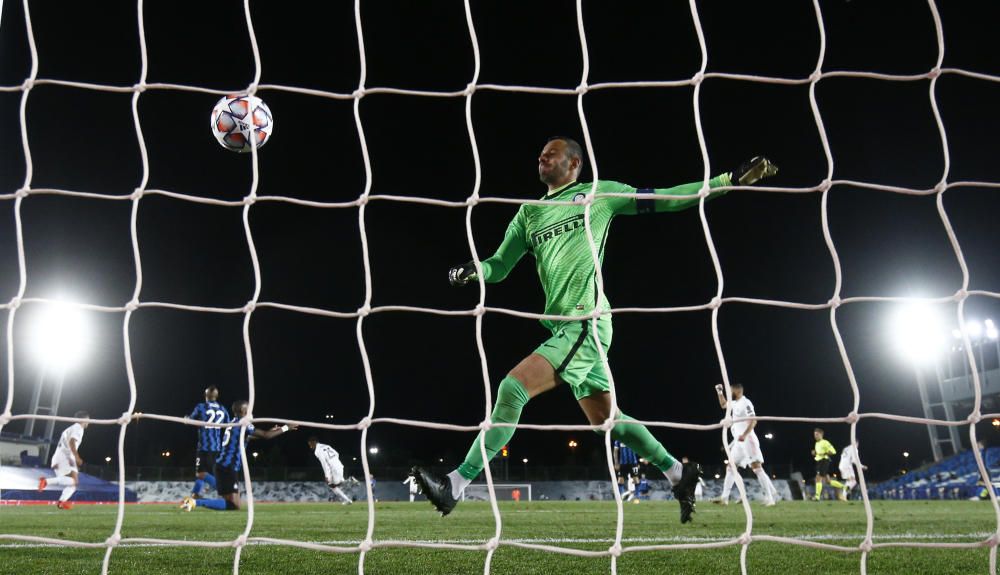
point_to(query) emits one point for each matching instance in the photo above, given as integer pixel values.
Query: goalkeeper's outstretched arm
(497, 266)
(747, 173)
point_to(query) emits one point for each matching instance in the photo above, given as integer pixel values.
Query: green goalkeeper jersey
(556, 237)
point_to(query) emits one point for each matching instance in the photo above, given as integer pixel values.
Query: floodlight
(974, 329)
(991, 329)
(59, 336)
(918, 332)
(373, 450)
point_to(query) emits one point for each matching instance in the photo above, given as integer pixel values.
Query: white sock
(765, 483)
(341, 494)
(849, 485)
(60, 480)
(67, 493)
(458, 484)
(675, 472)
(727, 486)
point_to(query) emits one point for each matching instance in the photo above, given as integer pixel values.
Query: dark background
(426, 366)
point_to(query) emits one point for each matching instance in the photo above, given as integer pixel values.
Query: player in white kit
(414, 487)
(66, 461)
(699, 489)
(333, 469)
(849, 459)
(745, 448)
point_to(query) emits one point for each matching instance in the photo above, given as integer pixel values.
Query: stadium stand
(954, 478)
(21, 484)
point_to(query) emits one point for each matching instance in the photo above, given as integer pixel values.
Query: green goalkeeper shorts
(573, 354)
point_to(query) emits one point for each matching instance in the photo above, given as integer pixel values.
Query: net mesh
(852, 418)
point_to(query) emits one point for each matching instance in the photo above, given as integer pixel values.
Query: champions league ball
(240, 121)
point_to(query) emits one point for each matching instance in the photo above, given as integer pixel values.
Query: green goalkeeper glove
(752, 171)
(463, 274)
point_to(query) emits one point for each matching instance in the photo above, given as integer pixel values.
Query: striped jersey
(626, 457)
(210, 437)
(229, 455)
(556, 236)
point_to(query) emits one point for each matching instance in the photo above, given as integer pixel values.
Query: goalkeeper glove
(463, 274)
(752, 171)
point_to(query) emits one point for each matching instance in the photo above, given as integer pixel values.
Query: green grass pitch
(579, 525)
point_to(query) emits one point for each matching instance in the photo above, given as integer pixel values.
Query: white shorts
(846, 472)
(62, 464)
(747, 451)
(334, 476)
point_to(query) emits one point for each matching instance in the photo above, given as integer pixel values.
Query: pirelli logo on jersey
(557, 229)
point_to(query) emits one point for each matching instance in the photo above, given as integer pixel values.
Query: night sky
(426, 366)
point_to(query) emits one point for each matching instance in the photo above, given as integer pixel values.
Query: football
(240, 122)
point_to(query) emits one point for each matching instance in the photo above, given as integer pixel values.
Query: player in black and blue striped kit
(626, 464)
(209, 439)
(229, 463)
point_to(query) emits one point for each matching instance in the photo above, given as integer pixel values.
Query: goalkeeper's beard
(554, 176)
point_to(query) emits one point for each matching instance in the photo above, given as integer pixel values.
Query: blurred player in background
(642, 488)
(821, 453)
(66, 461)
(413, 487)
(630, 484)
(699, 490)
(626, 468)
(848, 460)
(556, 236)
(209, 439)
(333, 469)
(745, 448)
(230, 462)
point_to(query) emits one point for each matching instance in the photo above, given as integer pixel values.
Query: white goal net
(491, 491)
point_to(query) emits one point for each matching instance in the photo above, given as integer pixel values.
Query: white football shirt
(848, 456)
(329, 459)
(74, 431)
(742, 407)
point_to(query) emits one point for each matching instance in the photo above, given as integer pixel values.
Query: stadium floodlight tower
(58, 338)
(919, 335)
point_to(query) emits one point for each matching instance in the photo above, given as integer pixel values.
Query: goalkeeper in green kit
(555, 235)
